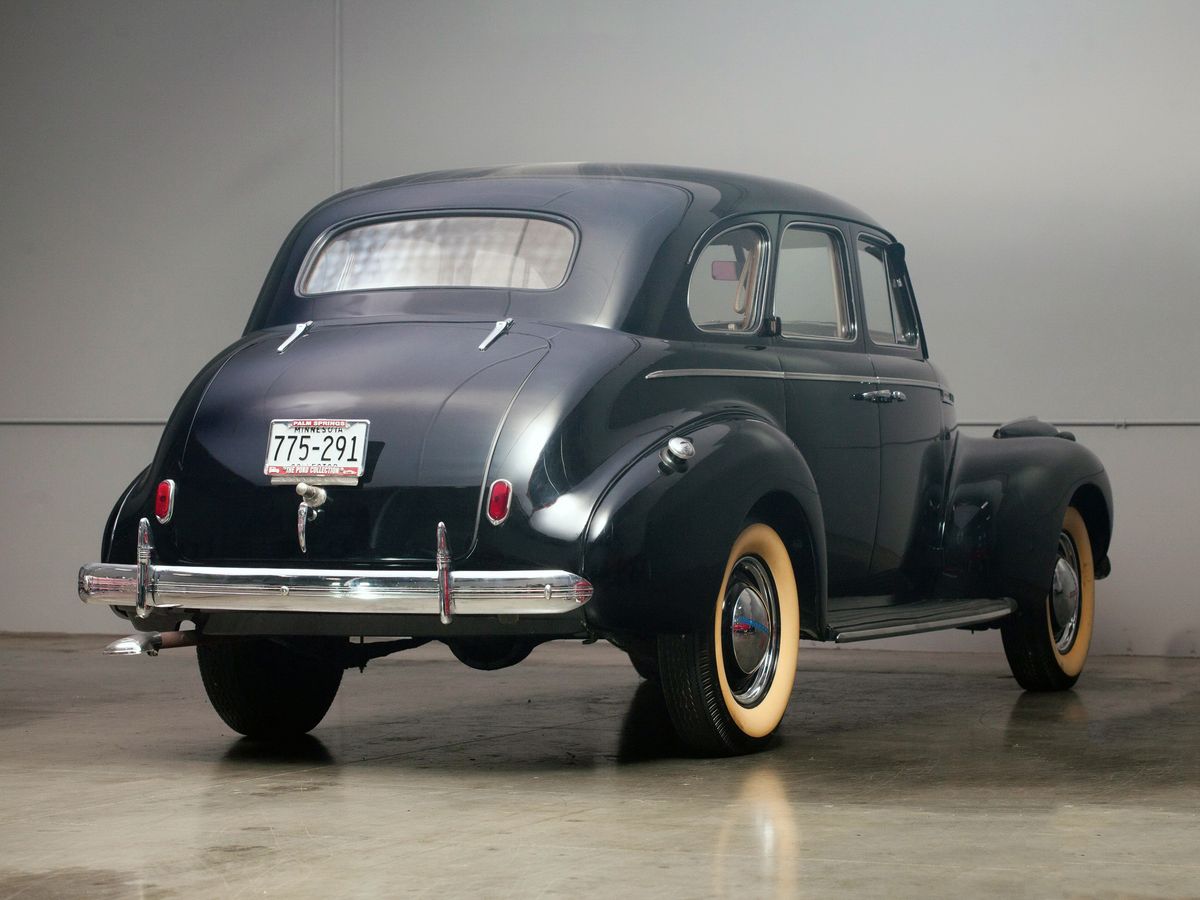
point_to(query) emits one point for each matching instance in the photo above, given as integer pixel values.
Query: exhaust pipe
(150, 642)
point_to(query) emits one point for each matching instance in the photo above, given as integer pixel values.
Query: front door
(913, 446)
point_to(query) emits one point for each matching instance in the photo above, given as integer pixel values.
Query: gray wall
(1039, 160)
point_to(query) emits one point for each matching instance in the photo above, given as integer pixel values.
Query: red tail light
(499, 501)
(164, 501)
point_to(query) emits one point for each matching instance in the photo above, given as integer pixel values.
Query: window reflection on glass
(446, 251)
(723, 290)
(810, 297)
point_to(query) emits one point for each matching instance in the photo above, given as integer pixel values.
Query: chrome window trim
(338, 228)
(847, 291)
(760, 289)
(868, 238)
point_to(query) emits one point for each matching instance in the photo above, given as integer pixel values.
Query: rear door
(825, 363)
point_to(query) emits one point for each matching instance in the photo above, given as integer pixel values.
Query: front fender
(1007, 500)
(657, 542)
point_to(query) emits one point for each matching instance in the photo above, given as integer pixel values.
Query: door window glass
(889, 317)
(724, 287)
(810, 295)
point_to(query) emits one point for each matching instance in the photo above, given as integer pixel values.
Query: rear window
(442, 251)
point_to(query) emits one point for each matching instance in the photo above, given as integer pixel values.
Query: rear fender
(117, 544)
(658, 540)
(1007, 500)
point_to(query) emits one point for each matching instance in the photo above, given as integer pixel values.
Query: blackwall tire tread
(263, 689)
(1029, 656)
(694, 698)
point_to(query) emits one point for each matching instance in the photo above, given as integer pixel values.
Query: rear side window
(890, 318)
(723, 293)
(442, 251)
(810, 290)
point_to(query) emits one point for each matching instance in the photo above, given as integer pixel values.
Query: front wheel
(270, 690)
(728, 684)
(1047, 643)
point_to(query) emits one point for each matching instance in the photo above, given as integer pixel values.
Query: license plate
(331, 448)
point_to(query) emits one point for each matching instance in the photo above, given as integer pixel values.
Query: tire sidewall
(760, 720)
(1071, 662)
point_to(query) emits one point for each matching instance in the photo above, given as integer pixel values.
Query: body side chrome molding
(717, 373)
(793, 376)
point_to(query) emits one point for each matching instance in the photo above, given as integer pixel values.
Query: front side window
(725, 283)
(810, 291)
(889, 318)
(442, 251)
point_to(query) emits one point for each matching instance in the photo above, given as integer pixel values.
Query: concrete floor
(897, 775)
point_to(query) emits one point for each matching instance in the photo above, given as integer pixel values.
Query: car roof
(738, 193)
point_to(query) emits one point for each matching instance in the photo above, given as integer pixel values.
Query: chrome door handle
(882, 396)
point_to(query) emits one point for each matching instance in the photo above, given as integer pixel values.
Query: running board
(866, 624)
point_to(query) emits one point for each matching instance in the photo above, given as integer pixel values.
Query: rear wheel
(728, 684)
(1047, 643)
(266, 689)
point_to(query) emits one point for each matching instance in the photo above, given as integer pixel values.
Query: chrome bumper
(147, 587)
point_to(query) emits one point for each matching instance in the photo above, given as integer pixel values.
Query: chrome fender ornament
(311, 497)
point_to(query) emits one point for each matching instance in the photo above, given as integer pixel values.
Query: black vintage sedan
(689, 412)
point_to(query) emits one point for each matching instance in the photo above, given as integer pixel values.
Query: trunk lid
(435, 403)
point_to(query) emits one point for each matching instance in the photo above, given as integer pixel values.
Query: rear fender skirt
(658, 541)
(1007, 499)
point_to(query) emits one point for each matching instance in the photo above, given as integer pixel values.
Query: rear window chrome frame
(333, 231)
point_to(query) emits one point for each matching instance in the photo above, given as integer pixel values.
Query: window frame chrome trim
(760, 288)
(329, 233)
(847, 283)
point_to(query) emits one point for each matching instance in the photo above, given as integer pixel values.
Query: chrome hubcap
(750, 617)
(1065, 595)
